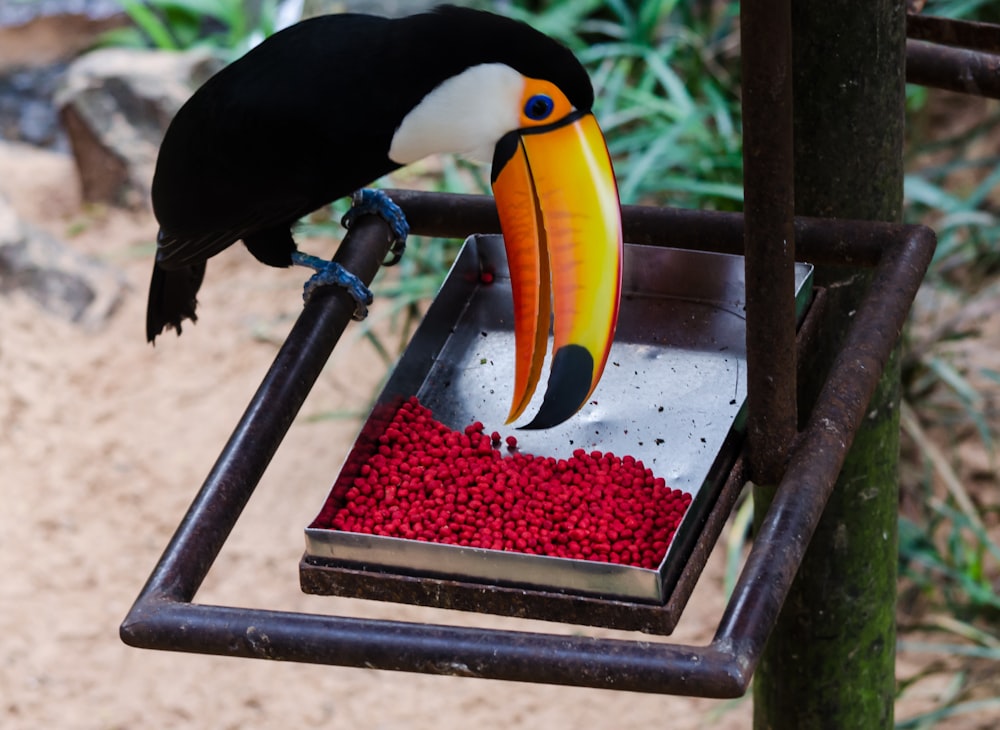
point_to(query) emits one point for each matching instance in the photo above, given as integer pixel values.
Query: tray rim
(318, 551)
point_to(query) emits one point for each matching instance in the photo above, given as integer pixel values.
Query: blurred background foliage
(667, 82)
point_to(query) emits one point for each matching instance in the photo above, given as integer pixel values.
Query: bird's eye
(538, 107)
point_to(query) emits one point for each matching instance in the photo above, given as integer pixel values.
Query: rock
(37, 40)
(63, 281)
(40, 184)
(115, 105)
(43, 32)
(26, 110)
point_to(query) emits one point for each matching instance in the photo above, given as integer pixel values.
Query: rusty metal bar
(819, 453)
(768, 207)
(954, 69)
(950, 32)
(164, 616)
(957, 55)
(204, 530)
(818, 240)
(435, 649)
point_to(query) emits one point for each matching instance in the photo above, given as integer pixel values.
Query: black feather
(308, 117)
(172, 298)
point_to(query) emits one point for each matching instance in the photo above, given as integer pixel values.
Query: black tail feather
(172, 298)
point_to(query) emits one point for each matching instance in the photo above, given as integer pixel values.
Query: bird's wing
(273, 137)
(176, 249)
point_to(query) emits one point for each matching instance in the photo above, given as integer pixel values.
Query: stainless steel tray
(673, 395)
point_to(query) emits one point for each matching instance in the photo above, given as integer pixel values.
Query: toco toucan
(328, 105)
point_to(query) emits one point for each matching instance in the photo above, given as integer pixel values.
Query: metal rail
(954, 69)
(956, 55)
(165, 617)
(950, 32)
(769, 205)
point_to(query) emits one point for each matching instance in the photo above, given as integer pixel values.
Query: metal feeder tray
(673, 395)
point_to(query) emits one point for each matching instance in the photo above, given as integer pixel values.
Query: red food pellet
(429, 483)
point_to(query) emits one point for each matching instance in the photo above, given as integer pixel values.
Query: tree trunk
(830, 662)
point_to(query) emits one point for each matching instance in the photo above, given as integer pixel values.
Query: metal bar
(950, 32)
(435, 649)
(207, 524)
(818, 240)
(164, 618)
(769, 206)
(817, 458)
(955, 69)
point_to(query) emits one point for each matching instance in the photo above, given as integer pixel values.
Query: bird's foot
(329, 273)
(367, 201)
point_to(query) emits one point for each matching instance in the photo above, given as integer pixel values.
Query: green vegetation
(229, 26)
(948, 539)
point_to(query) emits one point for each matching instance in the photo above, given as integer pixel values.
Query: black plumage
(308, 117)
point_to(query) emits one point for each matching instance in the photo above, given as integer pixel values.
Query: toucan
(330, 104)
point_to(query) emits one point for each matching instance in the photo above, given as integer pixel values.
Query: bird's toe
(329, 273)
(375, 202)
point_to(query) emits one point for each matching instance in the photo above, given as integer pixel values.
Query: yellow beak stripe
(559, 211)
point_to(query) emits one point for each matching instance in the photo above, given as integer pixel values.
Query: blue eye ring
(538, 107)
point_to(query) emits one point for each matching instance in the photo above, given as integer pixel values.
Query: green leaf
(918, 190)
(150, 24)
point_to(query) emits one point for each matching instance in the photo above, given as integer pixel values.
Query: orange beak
(561, 219)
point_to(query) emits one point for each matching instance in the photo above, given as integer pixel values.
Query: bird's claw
(330, 273)
(368, 201)
(395, 252)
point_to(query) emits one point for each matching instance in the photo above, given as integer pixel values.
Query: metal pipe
(817, 240)
(769, 207)
(951, 32)
(225, 492)
(435, 649)
(955, 69)
(819, 454)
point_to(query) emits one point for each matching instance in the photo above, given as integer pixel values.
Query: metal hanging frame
(165, 615)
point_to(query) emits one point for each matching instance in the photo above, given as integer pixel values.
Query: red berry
(428, 483)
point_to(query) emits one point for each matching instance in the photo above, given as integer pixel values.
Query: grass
(230, 27)
(946, 551)
(949, 554)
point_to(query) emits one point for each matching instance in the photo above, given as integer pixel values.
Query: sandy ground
(104, 441)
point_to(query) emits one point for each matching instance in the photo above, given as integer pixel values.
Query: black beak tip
(569, 385)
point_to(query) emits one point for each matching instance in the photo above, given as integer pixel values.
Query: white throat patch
(466, 115)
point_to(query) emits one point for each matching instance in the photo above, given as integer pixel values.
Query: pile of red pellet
(427, 482)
